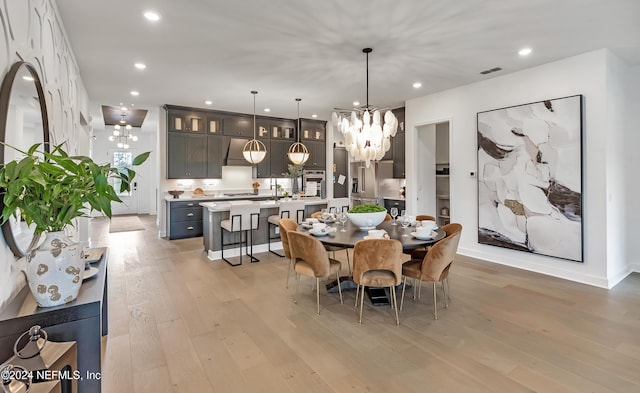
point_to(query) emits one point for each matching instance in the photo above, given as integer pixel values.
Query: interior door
(121, 158)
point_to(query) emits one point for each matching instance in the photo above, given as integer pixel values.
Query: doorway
(340, 175)
(433, 185)
(124, 159)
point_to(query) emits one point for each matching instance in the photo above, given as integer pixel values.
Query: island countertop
(225, 205)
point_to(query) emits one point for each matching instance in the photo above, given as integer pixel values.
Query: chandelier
(254, 151)
(365, 137)
(298, 152)
(122, 133)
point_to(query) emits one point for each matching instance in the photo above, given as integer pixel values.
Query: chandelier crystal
(366, 137)
(122, 133)
(298, 152)
(254, 151)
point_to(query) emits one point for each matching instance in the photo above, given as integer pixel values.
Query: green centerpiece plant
(367, 216)
(48, 191)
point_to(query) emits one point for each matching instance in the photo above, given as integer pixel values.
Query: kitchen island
(214, 212)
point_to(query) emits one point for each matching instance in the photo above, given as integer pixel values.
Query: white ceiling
(221, 50)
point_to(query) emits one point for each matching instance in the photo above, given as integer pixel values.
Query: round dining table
(353, 234)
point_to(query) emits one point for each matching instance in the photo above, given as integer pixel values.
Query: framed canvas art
(530, 177)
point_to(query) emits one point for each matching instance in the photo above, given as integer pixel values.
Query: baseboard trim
(235, 252)
(589, 279)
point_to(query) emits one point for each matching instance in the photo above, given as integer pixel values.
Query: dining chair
(377, 263)
(434, 266)
(310, 259)
(243, 219)
(332, 249)
(293, 210)
(415, 252)
(337, 205)
(286, 225)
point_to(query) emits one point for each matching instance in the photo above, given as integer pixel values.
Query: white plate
(318, 233)
(88, 273)
(367, 237)
(423, 237)
(305, 225)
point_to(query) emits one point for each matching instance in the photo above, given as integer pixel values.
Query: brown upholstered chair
(377, 263)
(434, 266)
(333, 249)
(286, 225)
(388, 217)
(311, 259)
(419, 252)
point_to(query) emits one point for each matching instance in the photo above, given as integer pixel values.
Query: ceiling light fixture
(356, 103)
(298, 152)
(524, 51)
(314, 116)
(152, 16)
(140, 66)
(208, 102)
(135, 93)
(366, 139)
(254, 151)
(267, 109)
(122, 133)
(417, 85)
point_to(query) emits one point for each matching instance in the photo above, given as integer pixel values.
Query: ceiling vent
(494, 69)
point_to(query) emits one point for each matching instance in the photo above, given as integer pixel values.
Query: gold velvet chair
(333, 249)
(310, 259)
(286, 225)
(377, 263)
(291, 209)
(434, 266)
(417, 253)
(316, 215)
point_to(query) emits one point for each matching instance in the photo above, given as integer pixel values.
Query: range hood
(234, 155)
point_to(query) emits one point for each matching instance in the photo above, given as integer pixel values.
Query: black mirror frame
(5, 96)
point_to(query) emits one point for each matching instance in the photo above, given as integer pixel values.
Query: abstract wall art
(530, 177)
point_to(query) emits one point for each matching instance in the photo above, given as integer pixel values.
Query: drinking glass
(405, 221)
(394, 214)
(343, 220)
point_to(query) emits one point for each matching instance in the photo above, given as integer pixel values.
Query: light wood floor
(181, 323)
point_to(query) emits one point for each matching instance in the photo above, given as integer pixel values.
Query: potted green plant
(49, 190)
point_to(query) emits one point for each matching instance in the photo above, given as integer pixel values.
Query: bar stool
(338, 205)
(293, 210)
(243, 219)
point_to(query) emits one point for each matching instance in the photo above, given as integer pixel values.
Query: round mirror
(23, 122)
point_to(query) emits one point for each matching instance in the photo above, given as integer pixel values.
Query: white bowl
(367, 220)
(376, 233)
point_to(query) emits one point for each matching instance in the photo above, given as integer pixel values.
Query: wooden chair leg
(289, 272)
(346, 250)
(295, 297)
(339, 287)
(444, 294)
(357, 292)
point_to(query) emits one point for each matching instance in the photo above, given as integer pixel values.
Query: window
(122, 160)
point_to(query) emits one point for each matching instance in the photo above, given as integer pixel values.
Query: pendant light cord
(299, 123)
(366, 51)
(254, 113)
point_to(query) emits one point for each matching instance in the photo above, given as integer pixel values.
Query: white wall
(586, 74)
(32, 31)
(146, 174)
(632, 174)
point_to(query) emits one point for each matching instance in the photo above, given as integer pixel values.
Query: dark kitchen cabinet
(278, 157)
(313, 130)
(318, 155)
(263, 168)
(398, 155)
(186, 156)
(215, 156)
(240, 126)
(185, 121)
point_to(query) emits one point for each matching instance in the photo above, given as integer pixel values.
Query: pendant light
(254, 151)
(298, 152)
(365, 137)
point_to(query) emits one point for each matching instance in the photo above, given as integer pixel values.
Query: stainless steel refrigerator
(365, 188)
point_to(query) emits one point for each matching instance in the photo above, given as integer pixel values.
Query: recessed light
(28, 78)
(135, 93)
(524, 51)
(124, 108)
(267, 110)
(208, 102)
(356, 103)
(314, 115)
(140, 66)
(417, 85)
(152, 16)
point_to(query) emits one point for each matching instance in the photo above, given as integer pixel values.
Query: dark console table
(83, 320)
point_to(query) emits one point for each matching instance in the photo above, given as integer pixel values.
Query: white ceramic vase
(54, 270)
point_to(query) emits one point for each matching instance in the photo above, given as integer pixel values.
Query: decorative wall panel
(530, 177)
